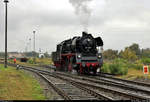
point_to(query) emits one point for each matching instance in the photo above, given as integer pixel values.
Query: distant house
(41, 55)
(15, 55)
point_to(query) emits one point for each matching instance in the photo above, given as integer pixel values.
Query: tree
(28, 54)
(135, 47)
(145, 52)
(110, 54)
(31, 54)
(120, 54)
(128, 54)
(46, 55)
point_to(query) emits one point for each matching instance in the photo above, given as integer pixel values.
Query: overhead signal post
(5, 1)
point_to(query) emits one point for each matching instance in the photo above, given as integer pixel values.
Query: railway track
(103, 87)
(122, 81)
(106, 77)
(133, 85)
(69, 91)
(111, 87)
(126, 92)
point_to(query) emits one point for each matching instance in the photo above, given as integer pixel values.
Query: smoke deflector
(99, 41)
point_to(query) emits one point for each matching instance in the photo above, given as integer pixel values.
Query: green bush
(145, 60)
(105, 68)
(118, 66)
(139, 66)
(30, 61)
(121, 60)
(136, 66)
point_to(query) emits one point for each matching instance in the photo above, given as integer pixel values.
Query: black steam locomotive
(80, 54)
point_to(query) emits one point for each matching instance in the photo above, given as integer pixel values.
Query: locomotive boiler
(81, 54)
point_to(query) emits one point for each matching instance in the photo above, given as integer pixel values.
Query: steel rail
(98, 95)
(60, 92)
(107, 82)
(128, 95)
(128, 81)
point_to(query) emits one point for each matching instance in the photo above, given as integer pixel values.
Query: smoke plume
(83, 11)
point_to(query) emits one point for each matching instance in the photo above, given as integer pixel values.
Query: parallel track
(128, 92)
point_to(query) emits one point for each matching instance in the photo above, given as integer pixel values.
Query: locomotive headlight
(99, 56)
(79, 56)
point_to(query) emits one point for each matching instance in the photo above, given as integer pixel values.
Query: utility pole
(30, 49)
(5, 1)
(34, 40)
(34, 46)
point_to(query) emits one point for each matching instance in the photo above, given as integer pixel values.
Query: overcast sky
(119, 22)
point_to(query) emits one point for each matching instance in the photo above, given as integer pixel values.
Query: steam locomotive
(79, 54)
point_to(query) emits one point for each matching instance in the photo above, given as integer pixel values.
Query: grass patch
(17, 85)
(133, 74)
(44, 61)
(39, 62)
